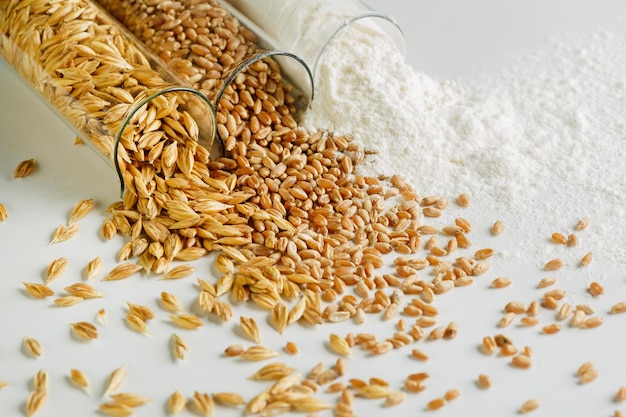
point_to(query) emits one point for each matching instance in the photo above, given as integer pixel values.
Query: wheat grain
(3, 212)
(250, 329)
(85, 330)
(546, 282)
(79, 379)
(553, 264)
(81, 209)
(24, 168)
(528, 406)
(65, 232)
(179, 346)
(122, 271)
(258, 353)
(186, 320)
(68, 301)
(34, 401)
(83, 290)
(176, 402)
(115, 409)
(55, 268)
(170, 302)
(618, 308)
(115, 380)
(130, 399)
(483, 381)
(178, 272)
(38, 290)
(339, 345)
(32, 346)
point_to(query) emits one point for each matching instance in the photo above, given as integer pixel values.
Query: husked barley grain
(176, 402)
(115, 380)
(24, 168)
(32, 346)
(65, 232)
(79, 378)
(80, 210)
(3, 213)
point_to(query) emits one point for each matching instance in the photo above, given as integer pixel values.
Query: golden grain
(130, 399)
(553, 265)
(572, 240)
(94, 267)
(258, 353)
(483, 381)
(170, 302)
(65, 232)
(203, 403)
(230, 399)
(178, 272)
(38, 290)
(32, 346)
(85, 330)
(489, 345)
(250, 329)
(3, 213)
(34, 401)
(521, 361)
(564, 311)
(528, 406)
(83, 290)
(618, 308)
(592, 322)
(501, 282)
(55, 268)
(68, 301)
(115, 380)
(595, 289)
(497, 228)
(436, 404)
(24, 168)
(176, 402)
(463, 200)
(122, 271)
(81, 209)
(546, 282)
(586, 259)
(115, 409)
(79, 379)
(551, 328)
(339, 345)
(620, 395)
(558, 238)
(582, 223)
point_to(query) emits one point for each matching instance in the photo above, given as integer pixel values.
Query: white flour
(542, 143)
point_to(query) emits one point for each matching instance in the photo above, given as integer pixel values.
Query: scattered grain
(483, 381)
(85, 330)
(595, 289)
(528, 406)
(553, 265)
(65, 232)
(24, 168)
(80, 210)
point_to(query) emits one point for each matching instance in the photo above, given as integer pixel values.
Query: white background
(446, 40)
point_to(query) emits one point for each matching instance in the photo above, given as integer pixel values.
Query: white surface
(445, 40)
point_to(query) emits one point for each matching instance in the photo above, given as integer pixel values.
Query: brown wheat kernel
(480, 268)
(558, 238)
(483, 254)
(483, 381)
(586, 260)
(79, 379)
(572, 240)
(186, 320)
(546, 282)
(564, 311)
(81, 209)
(85, 330)
(122, 271)
(258, 353)
(618, 308)
(63, 232)
(586, 308)
(618, 414)
(34, 401)
(497, 228)
(419, 355)
(3, 213)
(521, 361)
(508, 350)
(502, 340)
(551, 328)
(592, 322)
(577, 318)
(115, 380)
(588, 375)
(515, 307)
(582, 223)
(291, 348)
(452, 394)
(595, 289)
(553, 265)
(373, 391)
(506, 320)
(24, 168)
(489, 345)
(463, 200)
(341, 366)
(533, 309)
(115, 409)
(549, 303)
(501, 282)
(436, 404)
(234, 350)
(555, 294)
(339, 345)
(528, 406)
(55, 268)
(529, 321)
(38, 290)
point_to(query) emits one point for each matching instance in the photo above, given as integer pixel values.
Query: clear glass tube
(92, 73)
(202, 42)
(306, 27)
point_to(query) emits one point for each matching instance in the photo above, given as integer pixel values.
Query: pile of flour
(543, 140)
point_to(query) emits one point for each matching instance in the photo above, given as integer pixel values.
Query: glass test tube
(117, 97)
(215, 53)
(306, 27)
(204, 44)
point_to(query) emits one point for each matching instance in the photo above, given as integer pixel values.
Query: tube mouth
(207, 127)
(391, 29)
